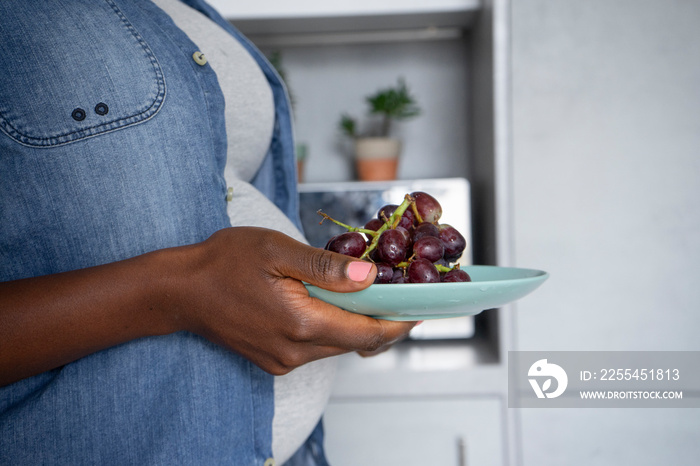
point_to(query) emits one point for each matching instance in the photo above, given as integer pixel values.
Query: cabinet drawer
(416, 432)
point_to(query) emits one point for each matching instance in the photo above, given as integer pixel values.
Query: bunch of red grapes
(406, 242)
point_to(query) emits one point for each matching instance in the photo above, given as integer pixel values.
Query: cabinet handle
(462, 451)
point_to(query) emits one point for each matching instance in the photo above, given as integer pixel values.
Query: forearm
(46, 322)
(241, 289)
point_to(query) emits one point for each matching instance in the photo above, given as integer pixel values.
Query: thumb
(326, 269)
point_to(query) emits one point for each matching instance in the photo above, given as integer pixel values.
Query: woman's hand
(242, 289)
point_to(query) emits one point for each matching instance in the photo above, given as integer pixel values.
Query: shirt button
(270, 462)
(229, 194)
(199, 58)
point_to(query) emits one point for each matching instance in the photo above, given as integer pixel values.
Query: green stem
(444, 268)
(347, 227)
(375, 239)
(407, 202)
(415, 212)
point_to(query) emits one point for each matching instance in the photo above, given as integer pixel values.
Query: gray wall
(327, 81)
(606, 145)
(606, 182)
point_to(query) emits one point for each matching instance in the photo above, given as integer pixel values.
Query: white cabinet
(415, 432)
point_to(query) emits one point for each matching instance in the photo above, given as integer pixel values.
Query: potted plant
(376, 152)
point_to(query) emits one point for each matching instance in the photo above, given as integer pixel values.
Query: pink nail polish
(358, 270)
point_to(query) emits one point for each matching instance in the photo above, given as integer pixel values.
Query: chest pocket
(72, 70)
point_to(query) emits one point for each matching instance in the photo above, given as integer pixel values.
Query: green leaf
(348, 125)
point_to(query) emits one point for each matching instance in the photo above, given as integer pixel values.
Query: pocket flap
(72, 70)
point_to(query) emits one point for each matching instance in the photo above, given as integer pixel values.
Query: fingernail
(418, 323)
(358, 270)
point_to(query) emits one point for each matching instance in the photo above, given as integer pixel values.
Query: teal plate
(491, 287)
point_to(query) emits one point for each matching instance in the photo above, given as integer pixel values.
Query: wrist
(165, 300)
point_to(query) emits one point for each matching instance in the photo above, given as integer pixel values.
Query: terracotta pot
(301, 152)
(377, 158)
(300, 171)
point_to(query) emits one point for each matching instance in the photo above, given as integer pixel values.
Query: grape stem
(444, 268)
(347, 227)
(419, 219)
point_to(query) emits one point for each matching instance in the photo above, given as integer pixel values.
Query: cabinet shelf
(280, 23)
(277, 9)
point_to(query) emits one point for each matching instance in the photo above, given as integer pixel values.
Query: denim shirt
(112, 144)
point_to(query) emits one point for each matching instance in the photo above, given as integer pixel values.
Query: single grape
(374, 256)
(392, 247)
(399, 276)
(406, 235)
(425, 229)
(349, 244)
(385, 273)
(430, 248)
(386, 211)
(422, 271)
(427, 206)
(456, 275)
(453, 240)
(374, 224)
(328, 244)
(408, 219)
